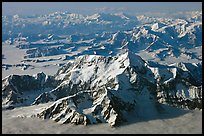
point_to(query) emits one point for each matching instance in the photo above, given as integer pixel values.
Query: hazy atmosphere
(30, 8)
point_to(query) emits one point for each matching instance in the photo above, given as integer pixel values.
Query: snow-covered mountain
(109, 65)
(93, 89)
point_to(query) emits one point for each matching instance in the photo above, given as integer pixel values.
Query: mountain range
(106, 73)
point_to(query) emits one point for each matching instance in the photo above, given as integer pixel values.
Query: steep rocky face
(94, 89)
(20, 89)
(183, 88)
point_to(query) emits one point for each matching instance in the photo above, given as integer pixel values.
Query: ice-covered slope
(93, 88)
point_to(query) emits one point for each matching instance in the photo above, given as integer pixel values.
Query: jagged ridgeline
(94, 89)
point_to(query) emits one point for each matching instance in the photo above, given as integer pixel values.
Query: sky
(32, 8)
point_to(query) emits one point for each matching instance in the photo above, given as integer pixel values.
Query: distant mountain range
(104, 34)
